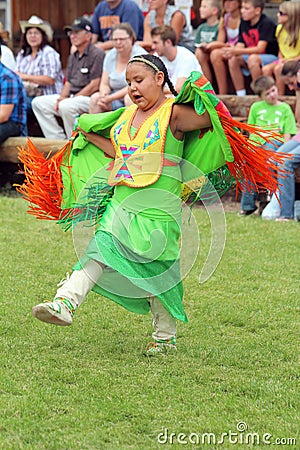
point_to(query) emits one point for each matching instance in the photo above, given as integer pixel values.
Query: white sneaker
(58, 312)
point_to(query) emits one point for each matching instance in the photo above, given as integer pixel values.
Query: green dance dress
(138, 226)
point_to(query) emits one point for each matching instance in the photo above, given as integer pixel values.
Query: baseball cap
(80, 24)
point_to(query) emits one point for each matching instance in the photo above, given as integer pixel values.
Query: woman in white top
(113, 86)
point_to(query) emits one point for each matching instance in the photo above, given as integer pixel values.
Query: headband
(149, 63)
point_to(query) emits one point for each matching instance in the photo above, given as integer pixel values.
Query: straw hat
(36, 22)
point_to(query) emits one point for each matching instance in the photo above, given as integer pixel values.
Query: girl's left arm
(184, 118)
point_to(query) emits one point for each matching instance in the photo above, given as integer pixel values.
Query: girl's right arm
(103, 143)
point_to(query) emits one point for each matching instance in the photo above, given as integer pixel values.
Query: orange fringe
(43, 185)
(253, 165)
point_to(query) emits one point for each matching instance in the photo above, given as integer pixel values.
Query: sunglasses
(281, 13)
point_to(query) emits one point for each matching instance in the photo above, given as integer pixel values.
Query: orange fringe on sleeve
(43, 185)
(253, 164)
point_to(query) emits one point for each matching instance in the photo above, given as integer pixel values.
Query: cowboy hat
(36, 22)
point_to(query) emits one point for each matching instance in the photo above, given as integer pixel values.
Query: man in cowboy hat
(83, 76)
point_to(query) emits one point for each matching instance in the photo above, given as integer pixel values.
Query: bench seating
(9, 150)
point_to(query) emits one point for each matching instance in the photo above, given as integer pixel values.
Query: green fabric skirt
(137, 240)
(141, 259)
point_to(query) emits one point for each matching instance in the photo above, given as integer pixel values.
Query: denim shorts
(265, 59)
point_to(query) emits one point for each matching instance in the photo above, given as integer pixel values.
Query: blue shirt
(104, 18)
(13, 92)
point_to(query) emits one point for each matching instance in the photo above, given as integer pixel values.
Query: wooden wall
(58, 12)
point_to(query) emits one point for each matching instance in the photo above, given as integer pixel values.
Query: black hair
(26, 47)
(290, 68)
(256, 3)
(155, 64)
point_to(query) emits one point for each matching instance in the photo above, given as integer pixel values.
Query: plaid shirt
(47, 62)
(12, 92)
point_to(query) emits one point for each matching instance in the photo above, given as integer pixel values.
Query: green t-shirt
(206, 33)
(279, 117)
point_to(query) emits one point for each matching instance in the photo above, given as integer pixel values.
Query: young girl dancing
(133, 257)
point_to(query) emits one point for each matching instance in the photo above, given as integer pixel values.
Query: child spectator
(256, 47)
(288, 38)
(269, 112)
(228, 35)
(206, 33)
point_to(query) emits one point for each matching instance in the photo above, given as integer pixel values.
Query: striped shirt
(13, 92)
(46, 62)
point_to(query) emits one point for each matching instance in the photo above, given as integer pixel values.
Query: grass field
(89, 386)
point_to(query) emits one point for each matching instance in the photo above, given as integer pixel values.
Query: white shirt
(8, 58)
(183, 64)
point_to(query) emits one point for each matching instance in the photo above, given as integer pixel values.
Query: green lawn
(90, 387)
